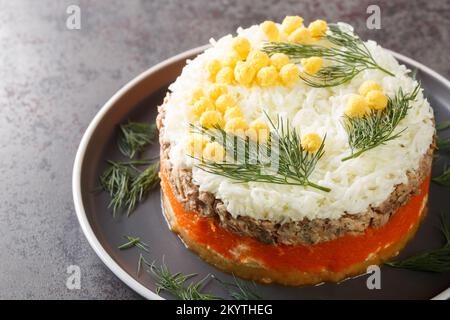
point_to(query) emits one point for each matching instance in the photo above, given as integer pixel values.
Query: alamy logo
(374, 20)
(73, 21)
(374, 280)
(74, 280)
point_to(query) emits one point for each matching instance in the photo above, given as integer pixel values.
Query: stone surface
(54, 80)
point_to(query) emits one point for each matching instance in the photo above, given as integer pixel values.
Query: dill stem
(443, 125)
(375, 65)
(136, 162)
(313, 185)
(386, 71)
(355, 155)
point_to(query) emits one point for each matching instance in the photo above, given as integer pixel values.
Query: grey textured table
(54, 80)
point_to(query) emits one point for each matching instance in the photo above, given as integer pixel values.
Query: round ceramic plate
(138, 101)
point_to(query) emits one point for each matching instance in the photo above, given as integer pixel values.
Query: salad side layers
(295, 139)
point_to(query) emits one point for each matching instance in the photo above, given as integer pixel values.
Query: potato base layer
(295, 265)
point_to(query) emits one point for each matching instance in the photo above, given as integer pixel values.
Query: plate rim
(81, 151)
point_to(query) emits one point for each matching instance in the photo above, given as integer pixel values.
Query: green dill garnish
(378, 127)
(141, 261)
(134, 137)
(176, 283)
(443, 179)
(127, 184)
(141, 185)
(133, 242)
(115, 180)
(295, 164)
(347, 54)
(443, 125)
(443, 144)
(434, 260)
(240, 290)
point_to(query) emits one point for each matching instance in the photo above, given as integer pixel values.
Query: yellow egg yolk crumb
(290, 23)
(312, 65)
(214, 151)
(271, 30)
(356, 107)
(210, 119)
(311, 142)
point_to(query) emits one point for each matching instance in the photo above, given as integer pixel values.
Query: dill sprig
(434, 260)
(443, 144)
(175, 283)
(443, 125)
(127, 184)
(141, 185)
(141, 262)
(444, 178)
(347, 54)
(240, 290)
(115, 180)
(378, 127)
(295, 164)
(133, 242)
(134, 137)
(437, 260)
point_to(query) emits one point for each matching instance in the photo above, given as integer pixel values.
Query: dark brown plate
(138, 101)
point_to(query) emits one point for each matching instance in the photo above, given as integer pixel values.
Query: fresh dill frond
(176, 284)
(346, 53)
(141, 185)
(126, 184)
(378, 127)
(141, 261)
(240, 290)
(134, 137)
(295, 164)
(133, 242)
(443, 179)
(434, 260)
(116, 181)
(443, 125)
(443, 144)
